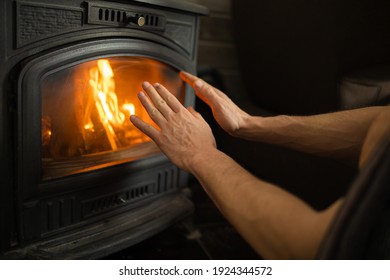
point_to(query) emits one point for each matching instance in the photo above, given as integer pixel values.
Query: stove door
(86, 109)
(75, 106)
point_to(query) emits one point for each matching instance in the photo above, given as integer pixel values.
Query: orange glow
(86, 111)
(106, 101)
(129, 107)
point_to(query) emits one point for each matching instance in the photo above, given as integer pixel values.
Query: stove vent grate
(113, 16)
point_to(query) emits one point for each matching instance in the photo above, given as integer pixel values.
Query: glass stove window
(86, 110)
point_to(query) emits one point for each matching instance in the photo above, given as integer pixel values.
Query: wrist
(201, 159)
(247, 127)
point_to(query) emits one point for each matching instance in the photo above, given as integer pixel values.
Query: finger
(194, 113)
(188, 78)
(146, 128)
(169, 98)
(153, 112)
(157, 100)
(194, 81)
(203, 90)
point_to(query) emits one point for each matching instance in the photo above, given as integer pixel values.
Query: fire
(129, 107)
(112, 116)
(86, 108)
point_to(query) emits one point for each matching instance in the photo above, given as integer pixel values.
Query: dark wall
(292, 53)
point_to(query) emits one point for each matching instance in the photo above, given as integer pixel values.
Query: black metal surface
(39, 36)
(103, 13)
(177, 5)
(110, 235)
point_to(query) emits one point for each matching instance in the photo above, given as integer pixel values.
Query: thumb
(206, 92)
(202, 89)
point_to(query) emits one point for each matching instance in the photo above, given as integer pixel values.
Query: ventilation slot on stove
(112, 16)
(150, 20)
(102, 204)
(58, 213)
(167, 180)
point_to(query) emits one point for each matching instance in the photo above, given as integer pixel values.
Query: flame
(129, 107)
(105, 68)
(106, 102)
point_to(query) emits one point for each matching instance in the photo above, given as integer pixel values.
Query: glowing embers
(86, 110)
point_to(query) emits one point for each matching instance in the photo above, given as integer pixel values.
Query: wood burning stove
(77, 179)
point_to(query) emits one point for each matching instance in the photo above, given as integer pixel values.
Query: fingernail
(146, 84)
(156, 85)
(141, 94)
(132, 118)
(198, 84)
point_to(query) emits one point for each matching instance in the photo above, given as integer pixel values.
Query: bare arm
(276, 223)
(338, 135)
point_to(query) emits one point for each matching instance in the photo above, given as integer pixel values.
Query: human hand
(228, 115)
(183, 135)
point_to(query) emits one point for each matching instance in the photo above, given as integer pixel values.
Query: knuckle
(170, 115)
(153, 112)
(148, 129)
(218, 106)
(209, 89)
(170, 98)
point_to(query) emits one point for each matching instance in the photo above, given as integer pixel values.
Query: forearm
(339, 135)
(276, 223)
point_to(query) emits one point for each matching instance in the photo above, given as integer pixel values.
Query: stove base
(111, 235)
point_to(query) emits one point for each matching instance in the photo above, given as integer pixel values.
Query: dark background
(276, 57)
(287, 57)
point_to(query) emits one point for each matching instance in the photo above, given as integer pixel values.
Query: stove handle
(138, 20)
